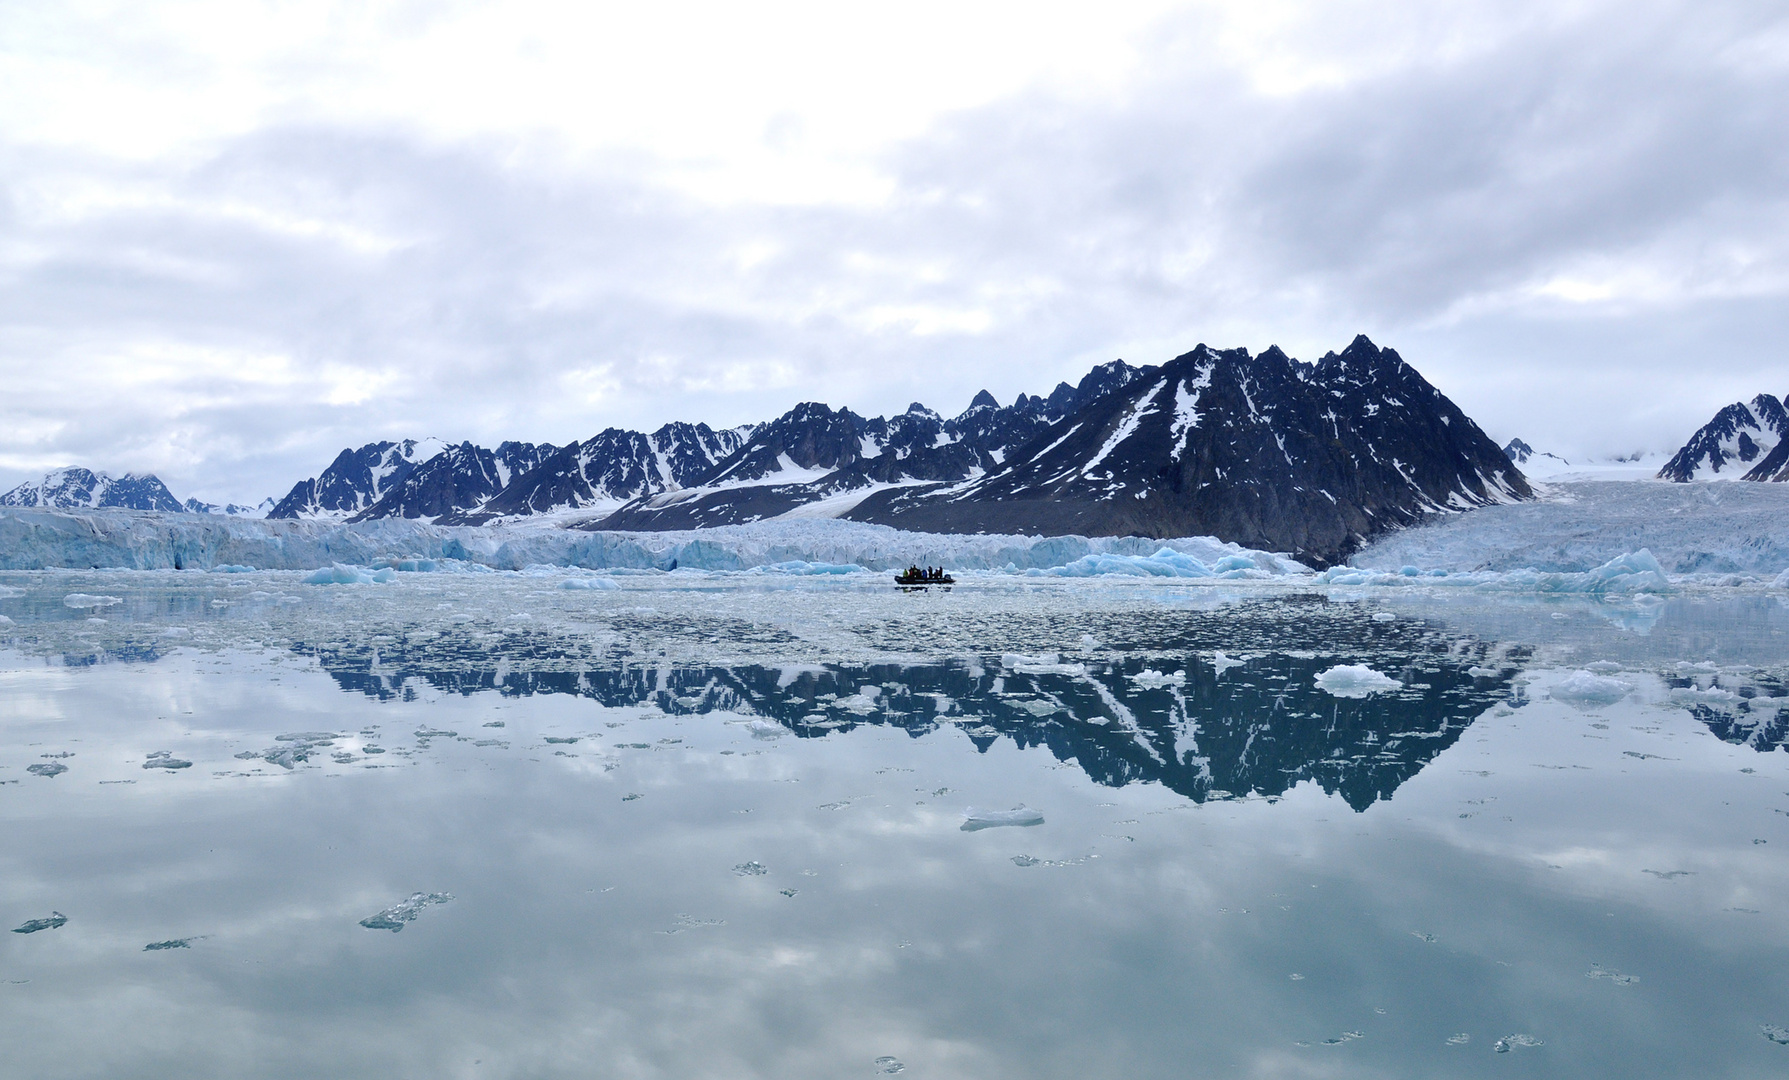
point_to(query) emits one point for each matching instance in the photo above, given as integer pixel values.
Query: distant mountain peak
(1747, 440)
(77, 489)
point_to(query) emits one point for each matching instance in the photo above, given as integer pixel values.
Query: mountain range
(1266, 451)
(1263, 450)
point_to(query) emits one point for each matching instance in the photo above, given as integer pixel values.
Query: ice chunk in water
(889, 1066)
(1597, 971)
(171, 943)
(599, 583)
(1585, 690)
(974, 820)
(1459, 1039)
(1510, 1042)
(1046, 664)
(751, 869)
(51, 768)
(165, 760)
(340, 574)
(55, 920)
(1355, 681)
(1149, 678)
(89, 600)
(764, 729)
(394, 917)
(1775, 1034)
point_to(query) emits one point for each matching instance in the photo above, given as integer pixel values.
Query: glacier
(1699, 528)
(1590, 537)
(348, 553)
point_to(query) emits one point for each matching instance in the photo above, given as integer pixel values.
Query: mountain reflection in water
(1199, 725)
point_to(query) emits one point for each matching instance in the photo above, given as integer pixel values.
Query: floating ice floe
(394, 917)
(171, 943)
(90, 600)
(764, 729)
(343, 574)
(888, 1066)
(232, 568)
(1510, 1042)
(751, 869)
(1045, 664)
(32, 926)
(1585, 690)
(1355, 681)
(48, 768)
(975, 820)
(606, 584)
(1153, 679)
(163, 759)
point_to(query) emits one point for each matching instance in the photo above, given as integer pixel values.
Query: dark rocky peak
(355, 480)
(808, 437)
(982, 400)
(1363, 363)
(1518, 451)
(1103, 380)
(691, 450)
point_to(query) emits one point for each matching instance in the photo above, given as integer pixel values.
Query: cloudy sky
(237, 237)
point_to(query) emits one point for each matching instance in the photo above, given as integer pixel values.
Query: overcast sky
(237, 237)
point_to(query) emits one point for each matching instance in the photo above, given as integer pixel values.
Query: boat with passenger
(916, 576)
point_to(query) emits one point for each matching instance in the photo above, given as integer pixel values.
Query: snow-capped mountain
(457, 478)
(1521, 453)
(196, 506)
(1264, 451)
(1744, 441)
(75, 489)
(355, 480)
(606, 470)
(814, 461)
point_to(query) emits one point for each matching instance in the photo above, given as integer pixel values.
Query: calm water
(701, 827)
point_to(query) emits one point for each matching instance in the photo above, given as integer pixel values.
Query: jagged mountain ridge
(469, 485)
(1745, 441)
(1264, 451)
(81, 489)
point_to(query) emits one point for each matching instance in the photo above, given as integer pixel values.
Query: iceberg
(1355, 681)
(975, 820)
(597, 583)
(89, 600)
(341, 574)
(394, 917)
(56, 920)
(1585, 690)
